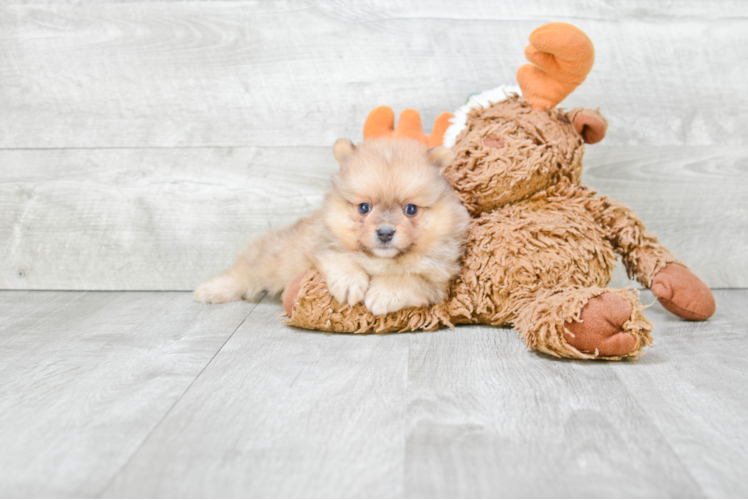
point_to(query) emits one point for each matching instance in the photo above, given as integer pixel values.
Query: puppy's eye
(364, 208)
(410, 210)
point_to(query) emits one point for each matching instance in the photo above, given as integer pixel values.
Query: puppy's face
(390, 199)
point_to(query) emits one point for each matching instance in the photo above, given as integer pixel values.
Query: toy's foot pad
(682, 293)
(601, 330)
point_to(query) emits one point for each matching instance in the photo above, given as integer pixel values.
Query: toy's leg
(584, 323)
(678, 289)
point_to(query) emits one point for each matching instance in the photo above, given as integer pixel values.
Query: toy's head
(516, 147)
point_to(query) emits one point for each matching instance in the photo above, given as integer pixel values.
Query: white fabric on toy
(484, 99)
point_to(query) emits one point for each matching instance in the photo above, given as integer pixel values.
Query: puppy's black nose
(385, 234)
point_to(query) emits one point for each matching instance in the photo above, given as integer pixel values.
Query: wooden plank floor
(140, 394)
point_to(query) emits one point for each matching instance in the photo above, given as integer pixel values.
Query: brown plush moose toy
(541, 245)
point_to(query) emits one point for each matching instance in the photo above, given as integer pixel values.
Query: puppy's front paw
(348, 288)
(381, 299)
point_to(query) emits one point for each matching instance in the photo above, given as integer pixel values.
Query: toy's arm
(676, 288)
(643, 255)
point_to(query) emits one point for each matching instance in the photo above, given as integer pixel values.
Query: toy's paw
(289, 296)
(682, 293)
(601, 329)
(219, 290)
(348, 287)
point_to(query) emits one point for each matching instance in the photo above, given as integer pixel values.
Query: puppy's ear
(441, 158)
(343, 149)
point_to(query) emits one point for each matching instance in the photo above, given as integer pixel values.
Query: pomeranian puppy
(390, 233)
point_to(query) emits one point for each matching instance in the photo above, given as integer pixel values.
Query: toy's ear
(343, 149)
(591, 125)
(441, 158)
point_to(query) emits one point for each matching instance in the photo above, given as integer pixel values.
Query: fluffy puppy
(390, 233)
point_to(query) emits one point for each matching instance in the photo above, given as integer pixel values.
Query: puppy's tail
(267, 264)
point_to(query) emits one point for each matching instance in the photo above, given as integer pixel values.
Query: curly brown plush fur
(541, 246)
(508, 151)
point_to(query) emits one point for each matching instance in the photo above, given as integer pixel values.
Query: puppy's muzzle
(385, 234)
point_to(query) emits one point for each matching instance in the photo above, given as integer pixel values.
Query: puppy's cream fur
(414, 268)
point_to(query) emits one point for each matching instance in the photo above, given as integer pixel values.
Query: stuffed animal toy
(541, 246)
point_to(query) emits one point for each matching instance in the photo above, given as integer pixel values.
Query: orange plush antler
(561, 56)
(381, 123)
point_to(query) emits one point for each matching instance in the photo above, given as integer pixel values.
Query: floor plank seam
(635, 399)
(167, 412)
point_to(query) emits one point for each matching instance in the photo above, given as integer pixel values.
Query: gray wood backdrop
(143, 144)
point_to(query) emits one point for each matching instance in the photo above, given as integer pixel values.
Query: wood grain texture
(166, 219)
(174, 74)
(468, 413)
(85, 377)
(197, 126)
(487, 419)
(145, 219)
(283, 412)
(699, 406)
(89, 382)
(144, 143)
(692, 198)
